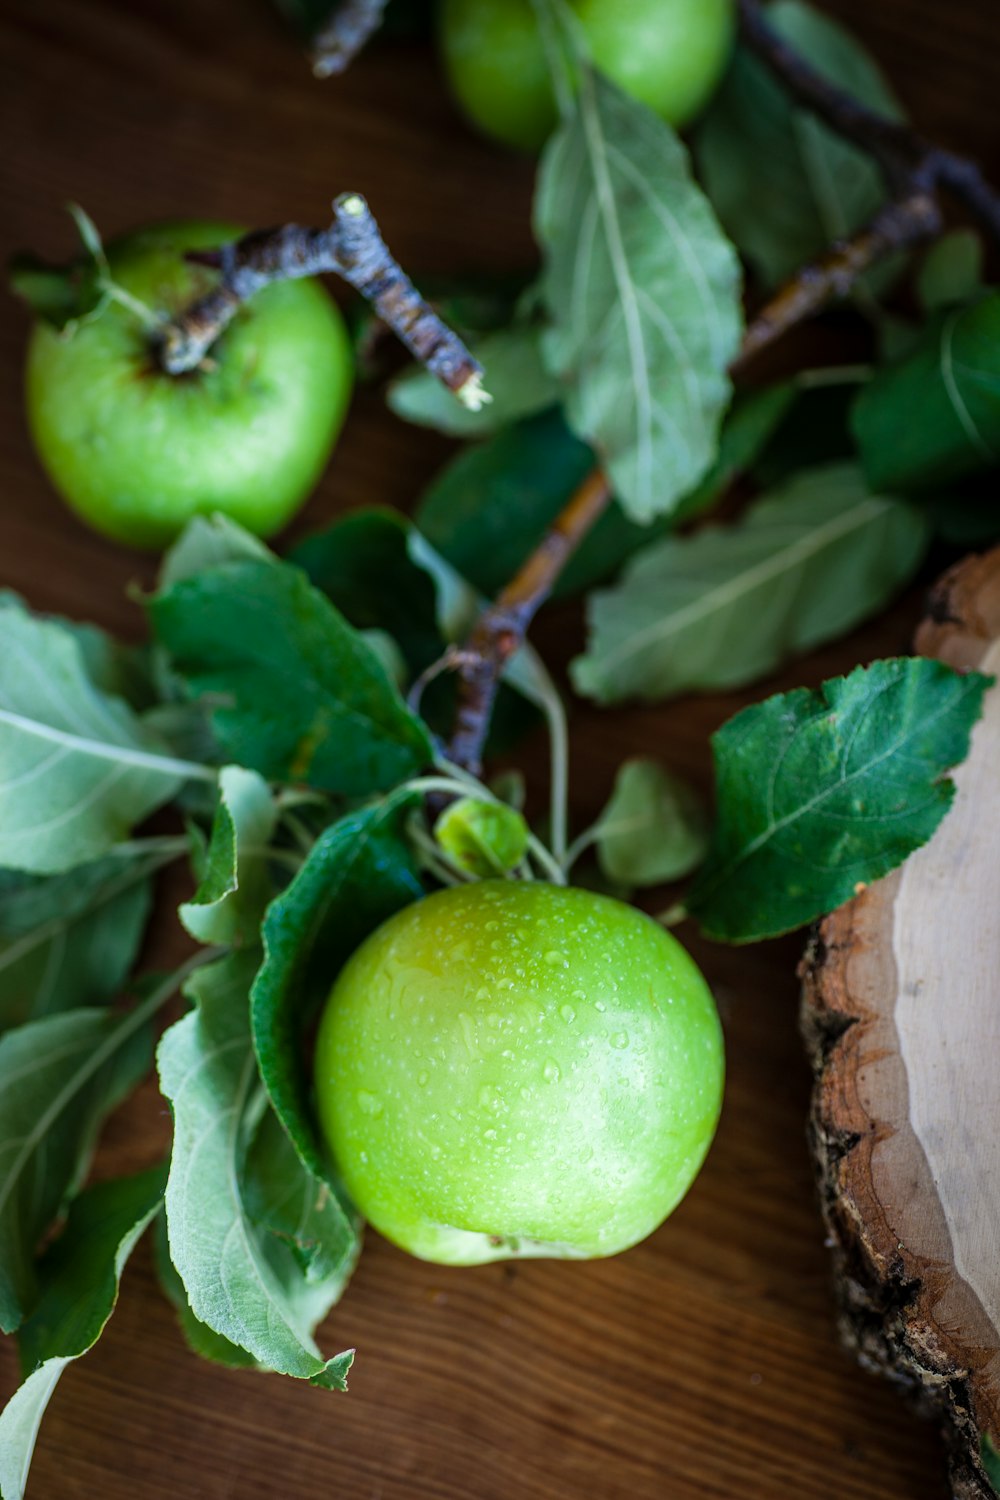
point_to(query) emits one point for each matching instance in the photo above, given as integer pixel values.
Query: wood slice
(901, 1014)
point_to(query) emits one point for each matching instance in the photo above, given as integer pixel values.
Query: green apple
(513, 1068)
(137, 452)
(670, 54)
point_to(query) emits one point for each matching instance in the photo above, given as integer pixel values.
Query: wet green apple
(670, 54)
(514, 1068)
(136, 452)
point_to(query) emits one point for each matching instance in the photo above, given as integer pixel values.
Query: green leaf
(784, 185)
(299, 696)
(57, 295)
(729, 604)
(364, 566)
(77, 767)
(358, 873)
(964, 521)
(79, 1276)
(935, 416)
(235, 886)
(654, 828)
(815, 431)
(210, 542)
(822, 791)
(242, 1280)
(989, 1457)
(319, 1226)
(951, 272)
(644, 293)
(490, 507)
(514, 374)
(201, 1339)
(59, 1078)
(70, 940)
(484, 838)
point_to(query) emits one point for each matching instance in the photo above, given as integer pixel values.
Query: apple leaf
(820, 792)
(784, 185)
(320, 1227)
(79, 1278)
(242, 1279)
(514, 373)
(70, 940)
(359, 872)
(235, 886)
(654, 828)
(201, 1339)
(57, 295)
(952, 271)
(483, 838)
(59, 1078)
(729, 604)
(490, 507)
(77, 767)
(643, 289)
(295, 693)
(935, 415)
(210, 542)
(364, 566)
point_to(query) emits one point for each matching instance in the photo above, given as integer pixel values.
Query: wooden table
(705, 1362)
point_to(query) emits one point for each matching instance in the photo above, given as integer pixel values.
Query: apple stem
(353, 248)
(343, 34)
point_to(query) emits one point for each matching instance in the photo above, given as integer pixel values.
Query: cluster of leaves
(296, 771)
(618, 357)
(266, 729)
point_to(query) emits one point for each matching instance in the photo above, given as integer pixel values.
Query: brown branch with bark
(350, 26)
(500, 630)
(353, 249)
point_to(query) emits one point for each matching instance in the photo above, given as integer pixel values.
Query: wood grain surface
(705, 1362)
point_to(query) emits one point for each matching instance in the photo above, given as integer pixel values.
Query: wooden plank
(702, 1364)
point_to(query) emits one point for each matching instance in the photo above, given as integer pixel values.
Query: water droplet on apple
(551, 1071)
(369, 1104)
(556, 960)
(620, 1040)
(423, 1077)
(568, 1014)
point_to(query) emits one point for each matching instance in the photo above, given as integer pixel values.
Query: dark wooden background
(705, 1362)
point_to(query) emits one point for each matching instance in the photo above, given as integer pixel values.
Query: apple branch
(501, 629)
(898, 226)
(338, 42)
(353, 249)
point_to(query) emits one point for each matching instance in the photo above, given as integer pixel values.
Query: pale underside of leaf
(643, 291)
(727, 605)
